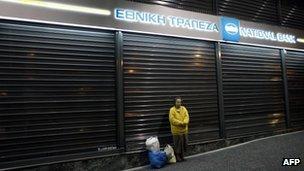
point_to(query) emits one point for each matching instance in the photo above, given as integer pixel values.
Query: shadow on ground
(265, 155)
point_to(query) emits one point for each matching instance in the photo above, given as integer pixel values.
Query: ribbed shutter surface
(252, 90)
(252, 10)
(204, 6)
(57, 91)
(156, 69)
(295, 77)
(292, 13)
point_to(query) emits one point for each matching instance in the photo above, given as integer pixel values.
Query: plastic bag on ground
(152, 144)
(158, 159)
(170, 154)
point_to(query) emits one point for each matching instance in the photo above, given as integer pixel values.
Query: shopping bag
(170, 154)
(152, 144)
(157, 159)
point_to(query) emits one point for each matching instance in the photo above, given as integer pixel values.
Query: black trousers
(180, 144)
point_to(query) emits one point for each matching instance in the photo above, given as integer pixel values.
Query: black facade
(72, 93)
(287, 13)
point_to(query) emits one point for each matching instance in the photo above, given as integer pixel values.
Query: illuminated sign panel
(231, 29)
(151, 19)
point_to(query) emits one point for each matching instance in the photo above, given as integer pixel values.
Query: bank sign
(233, 31)
(151, 19)
(226, 28)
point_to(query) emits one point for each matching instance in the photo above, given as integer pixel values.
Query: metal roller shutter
(156, 69)
(57, 92)
(204, 6)
(252, 90)
(295, 77)
(258, 10)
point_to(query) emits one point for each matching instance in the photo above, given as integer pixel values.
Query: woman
(179, 120)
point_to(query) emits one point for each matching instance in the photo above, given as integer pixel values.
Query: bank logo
(230, 29)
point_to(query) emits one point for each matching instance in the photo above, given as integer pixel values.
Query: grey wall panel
(57, 91)
(288, 13)
(204, 6)
(264, 11)
(292, 13)
(252, 89)
(156, 69)
(295, 78)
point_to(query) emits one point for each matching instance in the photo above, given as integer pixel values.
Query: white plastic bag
(152, 144)
(170, 154)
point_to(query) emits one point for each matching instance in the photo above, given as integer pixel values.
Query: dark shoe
(178, 158)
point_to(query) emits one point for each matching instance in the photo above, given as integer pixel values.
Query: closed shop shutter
(295, 77)
(204, 6)
(156, 69)
(258, 10)
(252, 90)
(57, 92)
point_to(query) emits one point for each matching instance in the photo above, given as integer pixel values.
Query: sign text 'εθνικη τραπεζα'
(158, 19)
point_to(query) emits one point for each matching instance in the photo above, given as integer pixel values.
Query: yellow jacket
(179, 120)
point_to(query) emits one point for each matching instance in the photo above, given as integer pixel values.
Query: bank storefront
(92, 80)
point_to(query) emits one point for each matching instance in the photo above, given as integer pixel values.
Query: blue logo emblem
(230, 28)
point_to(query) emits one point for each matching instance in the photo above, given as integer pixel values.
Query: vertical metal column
(220, 89)
(119, 89)
(285, 83)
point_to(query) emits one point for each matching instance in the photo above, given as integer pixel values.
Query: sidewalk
(264, 154)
